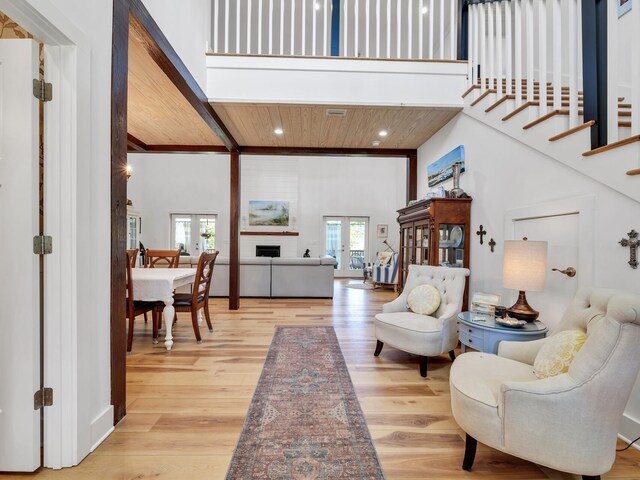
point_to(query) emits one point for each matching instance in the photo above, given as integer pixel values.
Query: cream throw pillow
(424, 299)
(558, 352)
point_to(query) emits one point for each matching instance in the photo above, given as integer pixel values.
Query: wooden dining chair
(162, 258)
(199, 298)
(135, 308)
(133, 257)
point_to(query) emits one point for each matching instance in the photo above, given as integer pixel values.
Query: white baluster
(498, 61)
(249, 50)
(270, 27)
(356, 29)
(517, 54)
(557, 54)
(483, 47)
(470, 45)
(441, 7)
(542, 52)
(635, 70)
(216, 24)
(293, 27)
(476, 44)
(314, 18)
(453, 30)
(226, 26)
(399, 22)
(530, 59)
(573, 64)
(431, 33)
(259, 27)
(388, 28)
(238, 5)
(508, 48)
(366, 26)
(410, 29)
(612, 72)
(327, 11)
(491, 47)
(420, 29)
(346, 28)
(281, 51)
(378, 33)
(304, 27)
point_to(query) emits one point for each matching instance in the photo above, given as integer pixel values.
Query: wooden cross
(481, 233)
(633, 243)
(492, 244)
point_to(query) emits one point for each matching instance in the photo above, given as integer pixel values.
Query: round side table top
(488, 322)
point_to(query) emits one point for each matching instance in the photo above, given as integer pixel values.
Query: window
(193, 233)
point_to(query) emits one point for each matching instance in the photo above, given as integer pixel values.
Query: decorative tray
(511, 322)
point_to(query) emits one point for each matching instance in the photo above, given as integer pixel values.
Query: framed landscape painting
(442, 170)
(623, 7)
(268, 213)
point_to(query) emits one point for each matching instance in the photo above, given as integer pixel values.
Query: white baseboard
(101, 427)
(629, 430)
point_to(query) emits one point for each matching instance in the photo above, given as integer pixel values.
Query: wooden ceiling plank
(168, 60)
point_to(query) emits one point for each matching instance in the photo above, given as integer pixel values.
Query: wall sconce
(128, 171)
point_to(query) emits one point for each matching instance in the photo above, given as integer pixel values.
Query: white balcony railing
(392, 29)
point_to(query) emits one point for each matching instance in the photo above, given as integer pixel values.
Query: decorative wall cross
(633, 243)
(481, 233)
(492, 244)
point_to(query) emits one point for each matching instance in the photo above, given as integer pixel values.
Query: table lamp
(524, 269)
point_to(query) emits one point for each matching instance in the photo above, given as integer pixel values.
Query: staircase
(516, 89)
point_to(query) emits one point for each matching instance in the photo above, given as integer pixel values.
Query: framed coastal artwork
(268, 213)
(441, 170)
(623, 7)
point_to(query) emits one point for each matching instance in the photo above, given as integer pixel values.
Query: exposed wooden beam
(168, 60)
(135, 145)
(328, 152)
(182, 149)
(234, 231)
(119, 69)
(412, 176)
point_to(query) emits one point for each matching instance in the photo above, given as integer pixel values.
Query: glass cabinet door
(407, 250)
(451, 245)
(422, 244)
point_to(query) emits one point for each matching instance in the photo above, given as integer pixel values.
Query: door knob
(569, 271)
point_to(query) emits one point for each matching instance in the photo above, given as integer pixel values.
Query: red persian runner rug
(305, 421)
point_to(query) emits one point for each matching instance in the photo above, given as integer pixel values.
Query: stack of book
(485, 303)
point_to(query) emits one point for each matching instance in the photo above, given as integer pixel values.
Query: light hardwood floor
(186, 408)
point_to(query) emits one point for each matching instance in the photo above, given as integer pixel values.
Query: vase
(456, 191)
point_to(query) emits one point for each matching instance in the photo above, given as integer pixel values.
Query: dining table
(158, 285)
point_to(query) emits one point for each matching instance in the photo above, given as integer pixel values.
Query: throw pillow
(384, 258)
(424, 299)
(558, 352)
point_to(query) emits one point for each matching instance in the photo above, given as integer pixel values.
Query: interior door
(346, 239)
(20, 366)
(561, 232)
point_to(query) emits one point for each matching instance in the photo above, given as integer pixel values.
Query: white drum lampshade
(524, 269)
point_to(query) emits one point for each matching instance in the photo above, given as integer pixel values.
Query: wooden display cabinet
(435, 231)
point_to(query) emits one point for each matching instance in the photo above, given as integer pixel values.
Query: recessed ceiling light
(376, 143)
(278, 131)
(317, 5)
(383, 133)
(424, 10)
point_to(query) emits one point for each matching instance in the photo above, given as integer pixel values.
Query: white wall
(187, 26)
(504, 174)
(314, 186)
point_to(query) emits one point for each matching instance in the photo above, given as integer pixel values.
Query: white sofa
(302, 277)
(278, 277)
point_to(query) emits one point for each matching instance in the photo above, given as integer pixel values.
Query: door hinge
(42, 245)
(42, 90)
(43, 398)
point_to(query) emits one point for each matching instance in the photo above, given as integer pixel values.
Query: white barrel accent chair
(568, 422)
(423, 335)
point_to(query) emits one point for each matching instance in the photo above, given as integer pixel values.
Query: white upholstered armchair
(570, 421)
(423, 335)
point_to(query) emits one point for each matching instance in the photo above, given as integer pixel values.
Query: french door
(346, 239)
(20, 329)
(193, 233)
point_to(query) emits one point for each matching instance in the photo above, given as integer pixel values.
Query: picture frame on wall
(442, 169)
(624, 6)
(383, 231)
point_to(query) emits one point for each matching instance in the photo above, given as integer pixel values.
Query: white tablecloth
(158, 284)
